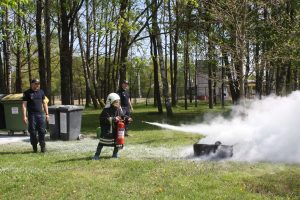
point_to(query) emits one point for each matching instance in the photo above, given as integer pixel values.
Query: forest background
(84, 49)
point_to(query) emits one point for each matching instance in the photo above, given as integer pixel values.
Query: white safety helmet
(111, 98)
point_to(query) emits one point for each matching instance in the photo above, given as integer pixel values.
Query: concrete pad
(5, 138)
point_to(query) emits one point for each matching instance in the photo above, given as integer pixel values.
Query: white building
(202, 81)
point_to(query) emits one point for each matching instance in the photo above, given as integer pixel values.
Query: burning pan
(216, 151)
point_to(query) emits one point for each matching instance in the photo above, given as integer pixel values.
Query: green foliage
(12, 3)
(274, 25)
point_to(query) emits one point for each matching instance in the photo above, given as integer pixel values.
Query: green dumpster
(13, 113)
(2, 117)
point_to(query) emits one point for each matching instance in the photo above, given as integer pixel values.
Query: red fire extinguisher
(120, 134)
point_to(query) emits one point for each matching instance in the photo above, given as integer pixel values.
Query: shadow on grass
(157, 141)
(86, 158)
(15, 153)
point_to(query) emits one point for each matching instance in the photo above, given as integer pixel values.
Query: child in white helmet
(109, 117)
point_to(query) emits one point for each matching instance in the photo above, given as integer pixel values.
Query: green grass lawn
(148, 167)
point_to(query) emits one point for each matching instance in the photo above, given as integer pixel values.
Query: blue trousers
(36, 123)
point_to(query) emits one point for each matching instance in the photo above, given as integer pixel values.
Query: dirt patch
(135, 152)
(5, 139)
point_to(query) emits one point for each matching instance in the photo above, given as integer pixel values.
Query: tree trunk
(87, 53)
(188, 68)
(175, 69)
(210, 63)
(148, 93)
(2, 80)
(66, 26)
(190, 85)
(48, 49)
(239, 65)
(18, 70)
(98, 94)
(233, 87)
(41, 56)
(71, 65)
(27, 30)
(65, 63)
(296, 78)
(247, 94)
(18, 57)
(223, 83)
(269, 78)
(155, 72)
(214, 75)
(124, 40)
(153, 51)
(6, 52)
(161, 60)
(114, 74)
(110, 67)
(258, 78)
(85, 67)
(210, 89)
(106, 73)
(288, 83)
(95, 55)
(280, 78)
(186, 63)
(171, 52)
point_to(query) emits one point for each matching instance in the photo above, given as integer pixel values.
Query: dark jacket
(108, 125)
(124, 97)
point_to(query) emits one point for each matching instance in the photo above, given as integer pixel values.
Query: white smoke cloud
(263, 130)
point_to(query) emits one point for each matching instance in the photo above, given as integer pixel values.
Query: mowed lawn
(150, 167)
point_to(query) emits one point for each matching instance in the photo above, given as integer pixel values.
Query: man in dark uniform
(125, 101)
(33, 103)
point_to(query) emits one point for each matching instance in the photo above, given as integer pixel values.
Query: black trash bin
(70, 121)
(54, 122)
(2, 118)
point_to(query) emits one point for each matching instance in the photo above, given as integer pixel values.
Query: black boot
(115, 153)
(43, 149)
(34, 148)
(98, 151)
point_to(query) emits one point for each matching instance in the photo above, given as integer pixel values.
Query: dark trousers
(99, 149)
(127, 113)
(36, 123)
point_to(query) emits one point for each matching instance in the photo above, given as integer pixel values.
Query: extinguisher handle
(117, 119)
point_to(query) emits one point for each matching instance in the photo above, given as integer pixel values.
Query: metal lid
(54, 107)
(70, 108)
(2, 95)
(13, 97)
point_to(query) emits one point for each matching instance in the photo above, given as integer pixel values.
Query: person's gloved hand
(130, 119)
(117, 118)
